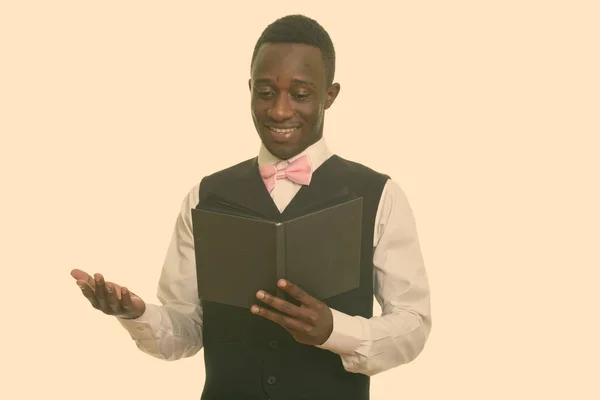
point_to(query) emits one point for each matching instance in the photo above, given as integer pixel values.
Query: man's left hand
(311, 323)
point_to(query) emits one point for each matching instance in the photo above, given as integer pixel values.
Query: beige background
(486, 112)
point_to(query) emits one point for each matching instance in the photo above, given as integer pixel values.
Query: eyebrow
(295, 81)
(302, 82)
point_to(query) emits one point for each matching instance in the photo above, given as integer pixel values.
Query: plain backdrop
(485, 112)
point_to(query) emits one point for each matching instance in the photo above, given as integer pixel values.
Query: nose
(282, 109)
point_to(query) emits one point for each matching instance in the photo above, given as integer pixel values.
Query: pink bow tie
(298, 171)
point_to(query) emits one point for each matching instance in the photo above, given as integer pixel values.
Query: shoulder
(392, 193)
(395, 205)
(363, 176)
(233, 171)
(228, 174)
(361, 169)
(192, 197)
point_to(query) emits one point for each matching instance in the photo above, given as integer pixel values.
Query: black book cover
(239, 252)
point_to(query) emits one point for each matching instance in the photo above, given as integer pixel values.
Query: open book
(238, 254)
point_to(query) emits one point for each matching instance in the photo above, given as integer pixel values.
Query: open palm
(108, 297)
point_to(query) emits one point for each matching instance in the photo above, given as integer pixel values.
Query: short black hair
(302, 30)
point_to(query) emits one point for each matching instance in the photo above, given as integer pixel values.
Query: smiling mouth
(283, 131)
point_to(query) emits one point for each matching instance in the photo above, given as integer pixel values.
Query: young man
(307, 349)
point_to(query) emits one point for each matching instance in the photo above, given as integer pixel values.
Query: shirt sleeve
(173, 330)
(398, 335)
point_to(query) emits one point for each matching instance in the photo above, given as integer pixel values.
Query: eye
(302, 96)
(264, 94)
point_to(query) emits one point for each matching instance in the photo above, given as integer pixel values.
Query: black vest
(250, 358)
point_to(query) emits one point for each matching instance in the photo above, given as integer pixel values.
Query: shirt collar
(317, 153)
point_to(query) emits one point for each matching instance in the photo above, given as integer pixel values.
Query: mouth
(283, 134)
(283, 131)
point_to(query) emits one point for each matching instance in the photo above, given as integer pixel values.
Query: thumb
(132, 303)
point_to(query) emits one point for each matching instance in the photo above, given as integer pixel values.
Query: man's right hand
(108, 297)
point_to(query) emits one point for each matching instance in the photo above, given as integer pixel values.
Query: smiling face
(289, 97)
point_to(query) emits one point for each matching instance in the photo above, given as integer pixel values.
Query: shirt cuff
(346, 336)
(143, 327)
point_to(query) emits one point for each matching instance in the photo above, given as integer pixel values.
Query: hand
(108, 297)
(311, 323)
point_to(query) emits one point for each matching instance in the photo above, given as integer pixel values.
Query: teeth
(283, 130)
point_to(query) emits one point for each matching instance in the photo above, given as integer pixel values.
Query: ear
(332, 94)
(250, 84)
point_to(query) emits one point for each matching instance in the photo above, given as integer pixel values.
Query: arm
(371, 346)
(173, 330)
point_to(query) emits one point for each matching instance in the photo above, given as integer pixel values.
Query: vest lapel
(330, 184)
(244, 193)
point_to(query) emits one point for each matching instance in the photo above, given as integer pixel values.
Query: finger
(83, 276)
(126, 301)
(112, 298)
(281, 319)
(88, 292)
(286, 307)
(100, 291)
(299, 294)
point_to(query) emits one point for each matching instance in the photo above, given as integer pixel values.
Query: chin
(283, 152)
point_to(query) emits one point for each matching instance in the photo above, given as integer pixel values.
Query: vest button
(273, 344)
(271, 380)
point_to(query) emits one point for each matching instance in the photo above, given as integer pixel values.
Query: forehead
(280, 60)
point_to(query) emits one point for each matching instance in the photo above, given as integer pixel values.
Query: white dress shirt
(173, 330)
